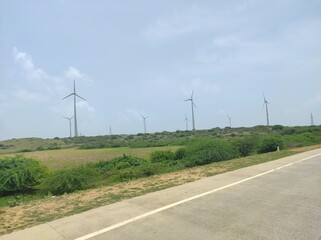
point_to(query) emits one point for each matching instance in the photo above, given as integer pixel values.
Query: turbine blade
(80, 97)
(192, 94)
(68, 96)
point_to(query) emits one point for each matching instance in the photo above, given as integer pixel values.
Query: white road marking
(107, 229)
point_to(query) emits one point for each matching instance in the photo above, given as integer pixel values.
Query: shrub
(207, 150)
(245, 146)
(277, 127)
(161, 156)
(288, 131)
(25, 150)
(20, 174)
(127, 174)
(270, 144)
(118, 163)
(180, 153)
(302, 139)
(70, 180)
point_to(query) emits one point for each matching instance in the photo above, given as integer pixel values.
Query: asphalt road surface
(275, 200)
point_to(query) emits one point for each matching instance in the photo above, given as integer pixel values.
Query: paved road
(276, 200)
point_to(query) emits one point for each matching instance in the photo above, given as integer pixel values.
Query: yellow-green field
(65, 158)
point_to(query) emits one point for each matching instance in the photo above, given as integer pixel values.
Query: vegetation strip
(52, 178)
(50, 208)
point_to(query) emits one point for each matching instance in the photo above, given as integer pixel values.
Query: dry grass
(50, 208)
(65, 158)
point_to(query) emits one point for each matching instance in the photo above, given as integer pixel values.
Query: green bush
(270, 144)
(123, 162)
(20, 174)
(245, 146)
(127, 174)
(302, 139)
(277, 127)
(180, 153)
(161, 156)
(207, 150)
(70, 180)
(147, 170)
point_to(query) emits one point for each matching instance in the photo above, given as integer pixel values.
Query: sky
(146, 57)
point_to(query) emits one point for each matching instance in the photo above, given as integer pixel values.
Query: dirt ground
(54, 207)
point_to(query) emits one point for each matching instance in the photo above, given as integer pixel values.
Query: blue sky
(145, 57)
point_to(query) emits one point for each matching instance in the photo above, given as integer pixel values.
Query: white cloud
(85, 107)
(43, 88)
(40, 83)
(28, 66)
(73, 73)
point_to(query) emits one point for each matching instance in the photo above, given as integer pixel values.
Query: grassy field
(65, 158)
(29, 212)
(29, 209)
(31, 144)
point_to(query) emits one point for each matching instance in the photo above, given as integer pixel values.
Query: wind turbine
(75, 111)
(186, 121)
(266, 109)
(144, 119)
(229, 120)
(312, 122)
(193, 105)
(69, 124)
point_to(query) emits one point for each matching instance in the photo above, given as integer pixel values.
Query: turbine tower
(69, 123)
(186, 121)
(193, 105)
(230, 121)
(75, 111)
(312, 122)
(144, 119)
(267, 110)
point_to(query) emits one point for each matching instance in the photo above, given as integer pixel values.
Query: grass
(31, 144)
(30, 212)
(66, 158)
